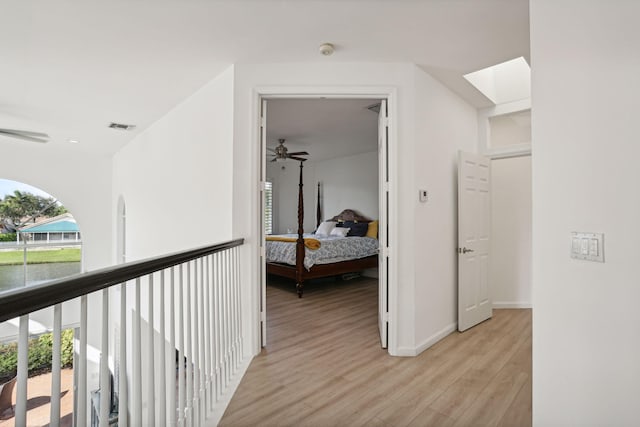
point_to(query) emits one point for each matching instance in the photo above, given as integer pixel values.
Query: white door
(263, 261)
(474, 223)
(383, 235)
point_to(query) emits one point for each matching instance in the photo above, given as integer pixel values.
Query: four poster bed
(327, 252)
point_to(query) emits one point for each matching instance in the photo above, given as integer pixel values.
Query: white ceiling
(325, 128)
(69, 68)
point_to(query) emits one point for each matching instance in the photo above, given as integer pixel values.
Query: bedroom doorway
(346, 169)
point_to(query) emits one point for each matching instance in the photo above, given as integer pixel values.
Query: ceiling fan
(25, 135)
(281, 153)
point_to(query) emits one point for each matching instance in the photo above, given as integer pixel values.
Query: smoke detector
(326, 49)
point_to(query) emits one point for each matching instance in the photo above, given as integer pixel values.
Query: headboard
(350, 215)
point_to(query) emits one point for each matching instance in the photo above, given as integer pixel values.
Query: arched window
(39, 239)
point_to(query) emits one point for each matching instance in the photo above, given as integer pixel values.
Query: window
(268, 207)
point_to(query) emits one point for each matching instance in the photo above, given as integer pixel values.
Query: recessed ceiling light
(121, 126)
(73, 141)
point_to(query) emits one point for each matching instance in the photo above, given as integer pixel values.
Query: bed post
(318, 209)
(300, 242)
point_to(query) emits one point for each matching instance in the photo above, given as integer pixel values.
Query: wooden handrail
(22, 301)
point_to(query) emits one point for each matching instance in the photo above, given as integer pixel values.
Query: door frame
(346, 92)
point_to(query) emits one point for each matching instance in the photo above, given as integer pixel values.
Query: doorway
(347, 169)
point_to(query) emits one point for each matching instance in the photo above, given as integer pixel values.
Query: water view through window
(39, 239)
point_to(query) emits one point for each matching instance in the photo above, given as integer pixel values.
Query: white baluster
(227, 338)
(23, 371)
(223, 330)
(181, 358)
(196, 346)
(162, 386)
(234, 314)
(201, 369)
(212, 329)
(137, 361)
(56, 356)
(218, 326)
(207, 336)
(123, 398)
(172, 345)
(105, 383)
(189, 349)
(82, 362)
(151, 374)
(236, 309)
(239, 304)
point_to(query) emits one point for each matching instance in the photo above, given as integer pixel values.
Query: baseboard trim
(510, 304)
(221, 405)
(412, 352)
(437, 337)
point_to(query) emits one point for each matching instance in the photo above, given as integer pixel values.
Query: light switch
(584, 246)
(587, 246)
(575, 245)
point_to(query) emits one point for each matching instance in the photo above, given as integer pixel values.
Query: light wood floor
(323, 366)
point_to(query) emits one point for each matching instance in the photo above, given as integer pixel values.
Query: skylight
(505, 82)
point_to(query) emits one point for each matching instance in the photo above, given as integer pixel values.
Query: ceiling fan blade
(297, 158)
(23, 137)
(299, 153)
(271, 149)
(274, 159)
(25, 132)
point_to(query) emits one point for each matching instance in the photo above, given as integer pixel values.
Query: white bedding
(332, 249)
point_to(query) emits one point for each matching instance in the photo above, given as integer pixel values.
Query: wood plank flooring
(323, 366)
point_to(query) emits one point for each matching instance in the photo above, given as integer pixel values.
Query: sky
(8, 187)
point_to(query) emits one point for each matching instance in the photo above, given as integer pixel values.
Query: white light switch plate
(587, 246)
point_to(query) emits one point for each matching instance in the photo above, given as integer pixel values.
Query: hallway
(323, 366)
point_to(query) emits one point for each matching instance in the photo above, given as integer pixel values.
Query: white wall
(285, 195)
(175, 181)
(175, 176)
(347, 183)
(445, 124)
(586, 321)
(425, 136)
(510, 262)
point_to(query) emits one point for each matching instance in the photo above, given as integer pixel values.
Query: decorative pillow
(340, 231)
(324, 229)
(372, 230)
(358, 229)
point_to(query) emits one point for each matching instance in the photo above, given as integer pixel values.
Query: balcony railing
(167, 333)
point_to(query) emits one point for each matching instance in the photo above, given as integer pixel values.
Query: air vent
(121, 126)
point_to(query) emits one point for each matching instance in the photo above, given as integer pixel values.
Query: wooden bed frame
(298, 272)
